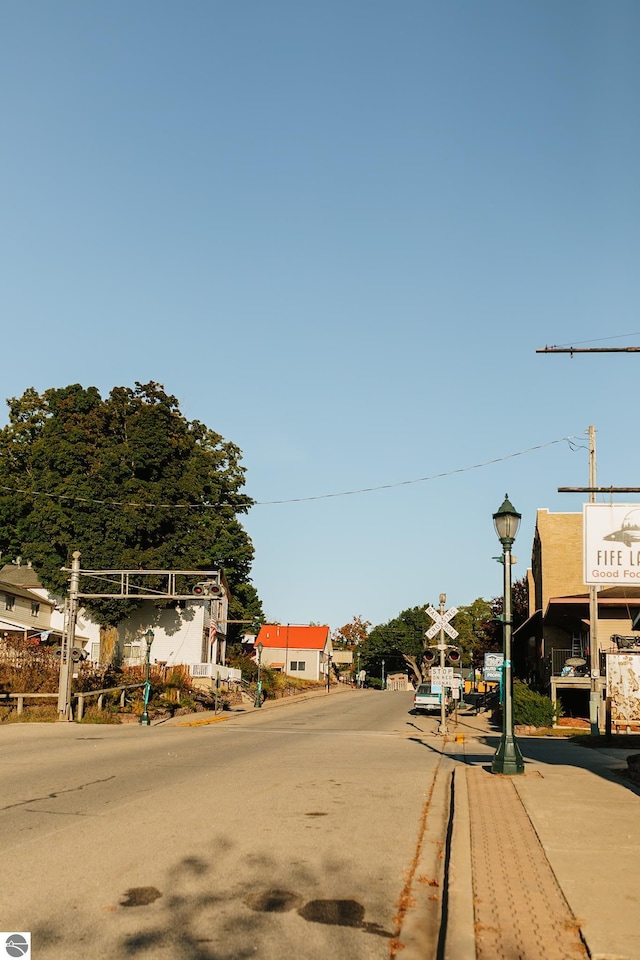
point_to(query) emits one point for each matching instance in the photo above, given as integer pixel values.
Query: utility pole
(68, 640)
(573, 350)
(594, 655)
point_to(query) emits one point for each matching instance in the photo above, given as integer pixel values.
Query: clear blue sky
(337, 231)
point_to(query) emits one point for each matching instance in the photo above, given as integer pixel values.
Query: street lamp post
(358, 670)
(383, 674)
(508, 758)
(144, 718)
(258, 702)
(329, 673)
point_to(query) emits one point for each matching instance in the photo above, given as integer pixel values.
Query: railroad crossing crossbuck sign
(441, 622)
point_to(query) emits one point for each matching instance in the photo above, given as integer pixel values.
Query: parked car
(425, 700)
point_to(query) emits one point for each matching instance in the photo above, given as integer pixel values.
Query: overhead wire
(570, 440)
(434, 476)
(577, 343)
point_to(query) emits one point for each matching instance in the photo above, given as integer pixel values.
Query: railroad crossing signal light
(430, 655)
(453, 656)
(76, 654)
(208, 588)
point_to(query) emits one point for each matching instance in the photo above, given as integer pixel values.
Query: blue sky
(337, 232)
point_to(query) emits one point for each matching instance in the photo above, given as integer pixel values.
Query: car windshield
(424, 688)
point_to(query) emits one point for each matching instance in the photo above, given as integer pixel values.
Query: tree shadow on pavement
(556, 751)
(201, 910)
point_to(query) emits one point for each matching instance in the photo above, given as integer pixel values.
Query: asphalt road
(296, 831)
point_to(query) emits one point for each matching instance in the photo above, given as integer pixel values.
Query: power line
(263, 503)
(576, 348)
(577, 343)
(434, 476)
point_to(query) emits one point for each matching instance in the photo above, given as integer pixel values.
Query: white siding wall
(310, 658)
(177, 638)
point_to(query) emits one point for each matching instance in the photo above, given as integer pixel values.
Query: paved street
(312, 829)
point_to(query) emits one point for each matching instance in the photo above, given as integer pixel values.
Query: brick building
(558, 627)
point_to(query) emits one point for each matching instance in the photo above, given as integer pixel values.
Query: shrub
(529, 708)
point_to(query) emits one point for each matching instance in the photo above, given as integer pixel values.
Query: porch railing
(558, 658)
(212, 670)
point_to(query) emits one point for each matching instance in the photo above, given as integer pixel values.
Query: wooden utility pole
(594, 654)
(592, 489)
(573, 350)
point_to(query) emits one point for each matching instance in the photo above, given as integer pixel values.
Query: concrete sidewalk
(543, 865)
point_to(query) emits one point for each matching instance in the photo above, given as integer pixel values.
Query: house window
(293, 665)
(133, 651)
(35, 608)
(298, 665)
(95, 652)
(302, 665)
(9, 601)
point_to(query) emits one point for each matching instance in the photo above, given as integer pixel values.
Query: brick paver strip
(520, 911)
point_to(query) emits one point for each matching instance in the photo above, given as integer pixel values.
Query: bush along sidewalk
(530, 709)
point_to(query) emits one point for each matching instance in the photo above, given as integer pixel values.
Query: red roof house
(303, 652)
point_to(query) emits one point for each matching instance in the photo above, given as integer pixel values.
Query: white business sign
(611, 543)
(493, 667)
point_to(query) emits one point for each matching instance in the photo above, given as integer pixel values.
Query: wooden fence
(80, 697)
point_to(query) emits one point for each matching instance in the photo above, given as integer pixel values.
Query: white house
(192, 633)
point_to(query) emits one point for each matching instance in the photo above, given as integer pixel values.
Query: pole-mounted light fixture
(144, 718)
(506, 521)
(258, 702)
(508, 759)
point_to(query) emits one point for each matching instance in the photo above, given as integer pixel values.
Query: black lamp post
(508, 758)
(382, 686)
(258, 702)
(147, 685)
(329, 673)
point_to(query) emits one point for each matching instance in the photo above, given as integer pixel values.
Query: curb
(460, 939)
(421, 925)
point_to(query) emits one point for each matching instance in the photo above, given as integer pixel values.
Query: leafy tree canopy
(473, 623)
(129, 482)
(351, 634)
(402, 642)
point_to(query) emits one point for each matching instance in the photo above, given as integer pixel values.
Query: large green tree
(400, 642)
(519, 613)
(129, 482)
(475, 629)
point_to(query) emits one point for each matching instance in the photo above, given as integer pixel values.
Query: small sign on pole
(442, 676)
(493, 666)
